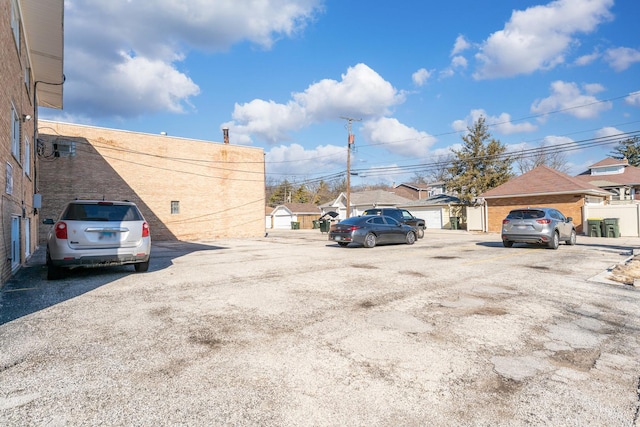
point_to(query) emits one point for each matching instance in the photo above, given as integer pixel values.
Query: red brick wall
(220, 187)
(570, 205)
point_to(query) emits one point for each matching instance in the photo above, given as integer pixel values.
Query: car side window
(391, 221)
(377, 220)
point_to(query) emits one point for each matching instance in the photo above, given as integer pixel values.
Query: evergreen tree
(629, 149)
(480, 165)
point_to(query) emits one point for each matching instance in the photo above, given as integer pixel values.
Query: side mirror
(48, 221)
(569, 219)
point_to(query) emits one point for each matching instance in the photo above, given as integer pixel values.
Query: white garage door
(282, 221)
(433, 218)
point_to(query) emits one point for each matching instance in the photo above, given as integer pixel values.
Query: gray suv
(400, 215)
(545, 226)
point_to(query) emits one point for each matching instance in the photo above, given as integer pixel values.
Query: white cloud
(458, 62)
(587, 59)
(539, 37)
(633, 99)
(460, 45)
(606, 132)
(295, 160)
(501, 124)
(146, 78)
(397, 138)
(361, 93)
(622, 58)
(569, 99)
(421, 76)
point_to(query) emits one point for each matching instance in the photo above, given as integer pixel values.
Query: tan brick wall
(219, 187)
(18, 204)
(570, 205)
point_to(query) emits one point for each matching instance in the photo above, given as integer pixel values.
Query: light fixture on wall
(26, 117)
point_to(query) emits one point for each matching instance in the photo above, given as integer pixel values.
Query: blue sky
(280, 74)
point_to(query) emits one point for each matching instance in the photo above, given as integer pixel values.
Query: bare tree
(544, 155)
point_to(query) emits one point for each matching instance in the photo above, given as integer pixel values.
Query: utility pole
(350, 144)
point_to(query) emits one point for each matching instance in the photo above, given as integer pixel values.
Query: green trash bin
(325, 224)
(295, 225)
(455, 222)
(611, 227)
(594, 227)
(316, 223)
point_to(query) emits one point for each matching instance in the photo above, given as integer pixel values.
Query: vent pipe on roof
(225, 134)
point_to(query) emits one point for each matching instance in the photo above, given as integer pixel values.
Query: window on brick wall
(9, 186)
(175, 207)
(15, 133)
(27, 156)
(15, 22)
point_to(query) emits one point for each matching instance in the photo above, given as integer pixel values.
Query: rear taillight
(353, 228)
(61, 230)
(543, 221)
(505, 221)
(145, 229)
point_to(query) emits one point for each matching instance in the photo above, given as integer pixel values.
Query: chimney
(225, 134)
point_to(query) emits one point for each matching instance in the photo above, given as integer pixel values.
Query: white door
(15, 242)
(27, 238)
(433, 218)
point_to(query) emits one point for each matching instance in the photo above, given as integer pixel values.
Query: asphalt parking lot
(293, 330)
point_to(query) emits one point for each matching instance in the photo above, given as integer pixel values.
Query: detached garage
(541, 187)
(435, 210)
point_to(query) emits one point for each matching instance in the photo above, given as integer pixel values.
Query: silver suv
(92, 233)
(538, 225)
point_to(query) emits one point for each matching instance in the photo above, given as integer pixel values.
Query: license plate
(107, 235)
(337, 238)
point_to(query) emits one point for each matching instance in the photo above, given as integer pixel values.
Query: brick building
(186, 189)
(31, 75)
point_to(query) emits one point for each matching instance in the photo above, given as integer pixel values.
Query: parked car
(91, 233)
(546, 226)
(400, 215)
(371, 230)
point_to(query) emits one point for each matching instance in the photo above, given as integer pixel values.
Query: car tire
(369, 240)
(343, 244)
(142, 267)
(410, 238)
(420, 232)
(555, 241)
(507, 243)
(572, 238)
(53, 272)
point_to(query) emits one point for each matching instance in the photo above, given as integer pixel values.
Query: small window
(9, 186)
(175, 207)
(64, 149)
(27, 156)
(15, 133)
(15, 22)
(27, 79)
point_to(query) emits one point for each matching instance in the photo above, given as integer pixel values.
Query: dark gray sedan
(545, 226)
(371, 230)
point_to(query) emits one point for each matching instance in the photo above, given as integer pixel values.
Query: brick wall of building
(570, 205)
(16, 206)
(219, 187)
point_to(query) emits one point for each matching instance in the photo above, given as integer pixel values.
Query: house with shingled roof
(542, 187)
(616, 176)
(283, 215)
(363, 200)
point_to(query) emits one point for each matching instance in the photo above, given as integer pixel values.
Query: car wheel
(572, 238)
(555, 241)
(53, 272)
(507, 243)
(420, 232)
(141, 267)
(369, 240)
(343, 244)
(411, 238)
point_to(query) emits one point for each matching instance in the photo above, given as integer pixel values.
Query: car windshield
(100, 212)
(526, 214)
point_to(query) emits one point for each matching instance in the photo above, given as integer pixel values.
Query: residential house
(282, 216)
(542, 187)
(31, 58)
(414, 191)
(363, 200)
(616, 176)
(186, 189)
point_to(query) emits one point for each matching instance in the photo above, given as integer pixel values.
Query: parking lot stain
(365, 266)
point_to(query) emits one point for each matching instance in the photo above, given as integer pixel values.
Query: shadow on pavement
(29, 291)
